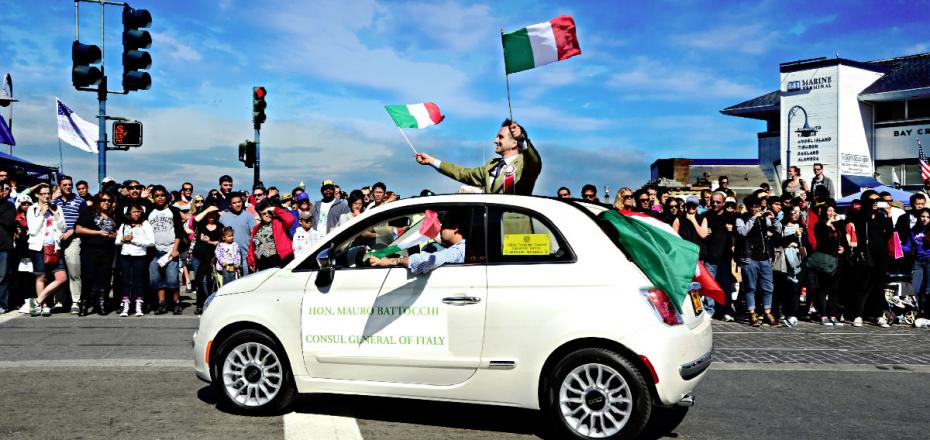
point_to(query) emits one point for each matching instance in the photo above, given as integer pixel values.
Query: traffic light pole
(258, 148)
(102, 132)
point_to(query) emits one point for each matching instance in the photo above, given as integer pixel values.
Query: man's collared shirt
(423, 262)
(70, 208)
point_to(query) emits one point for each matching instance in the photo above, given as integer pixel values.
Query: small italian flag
(540, 44)
(669, 261)
(429, 229)
(420, 115)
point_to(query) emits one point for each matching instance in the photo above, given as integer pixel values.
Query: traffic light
(247, 153)
(134, 39)
(127, 134)
(82, 56)
(258, 106)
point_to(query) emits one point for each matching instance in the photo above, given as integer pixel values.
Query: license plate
(696, 302)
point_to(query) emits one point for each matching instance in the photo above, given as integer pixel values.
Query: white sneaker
(75, 309)
(125, 307)
(139, 307)
(883, 323)
(836, 322)
(58, 305)
(25, 308)
(857, 322)
(792, 321)
(728, 318)
(2, 310)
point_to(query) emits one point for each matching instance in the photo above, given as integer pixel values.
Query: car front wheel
(252, 375)
(595, 393)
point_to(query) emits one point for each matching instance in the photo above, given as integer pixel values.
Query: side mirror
(327, 269)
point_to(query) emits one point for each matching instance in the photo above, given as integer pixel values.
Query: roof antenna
(837, 55)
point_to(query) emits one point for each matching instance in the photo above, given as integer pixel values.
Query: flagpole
(61, 159)
(506, 77)
(407, 139)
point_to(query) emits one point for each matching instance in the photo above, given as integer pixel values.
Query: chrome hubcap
(595, 400)
(252, 374)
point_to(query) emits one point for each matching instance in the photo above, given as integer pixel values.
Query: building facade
(861, 120)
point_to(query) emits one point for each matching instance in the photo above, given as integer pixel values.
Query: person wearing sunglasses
(624, 199)
(97, 229)
(46, 225)
(134, 195)
(643, 203)
(270, 245)
(719, 244)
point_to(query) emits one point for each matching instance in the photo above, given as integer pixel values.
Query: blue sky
(649, 84)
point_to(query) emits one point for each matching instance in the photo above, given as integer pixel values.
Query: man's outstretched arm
(469, 176)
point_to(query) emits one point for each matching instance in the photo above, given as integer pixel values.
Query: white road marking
(320, 427)
(9, 315)
(171, 364)
(746, 366)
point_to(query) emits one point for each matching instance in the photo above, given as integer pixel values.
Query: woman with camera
(270, 245)
(46, 225)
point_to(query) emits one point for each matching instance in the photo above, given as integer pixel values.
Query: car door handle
(461, 300)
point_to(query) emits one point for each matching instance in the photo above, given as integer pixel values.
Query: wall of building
(854, 135)
(816, 91)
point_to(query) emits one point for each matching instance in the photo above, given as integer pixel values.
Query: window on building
(889, 111)
(918, 109)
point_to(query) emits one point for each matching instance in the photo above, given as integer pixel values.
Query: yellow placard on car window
(526, 244)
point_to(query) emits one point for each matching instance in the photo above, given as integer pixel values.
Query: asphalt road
(69, 378)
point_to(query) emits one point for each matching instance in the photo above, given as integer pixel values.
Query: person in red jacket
(270, 245)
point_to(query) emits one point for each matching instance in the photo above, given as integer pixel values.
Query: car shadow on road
(491, 418)
(421, 412)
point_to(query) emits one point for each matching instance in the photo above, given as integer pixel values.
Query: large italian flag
(540, 44)
(428, 230)
(669, 261)
(419, 115)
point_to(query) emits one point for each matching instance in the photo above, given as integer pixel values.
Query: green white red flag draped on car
(669, 261)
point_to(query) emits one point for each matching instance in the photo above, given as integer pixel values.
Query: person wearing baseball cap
(302, 205)
(326, 211)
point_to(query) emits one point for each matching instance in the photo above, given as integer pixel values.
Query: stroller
(901, 302)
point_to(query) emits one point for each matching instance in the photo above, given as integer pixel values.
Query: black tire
(639, 395)
(250, 339)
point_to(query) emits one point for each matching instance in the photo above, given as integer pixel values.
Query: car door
(412, 328)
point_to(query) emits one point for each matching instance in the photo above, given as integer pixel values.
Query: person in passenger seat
(453, 237)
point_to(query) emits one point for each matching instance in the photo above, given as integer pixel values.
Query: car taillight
(662, 305)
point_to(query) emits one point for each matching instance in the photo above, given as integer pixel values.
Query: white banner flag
(74, 130)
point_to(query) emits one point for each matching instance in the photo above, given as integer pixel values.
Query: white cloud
(167, 44)
(649, 79)
(753, 39)
(427, 23)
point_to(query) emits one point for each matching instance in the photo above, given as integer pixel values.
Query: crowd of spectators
(133, 248)
(797, 255)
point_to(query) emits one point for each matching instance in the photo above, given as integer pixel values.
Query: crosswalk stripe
(300, 426)
(11, 315)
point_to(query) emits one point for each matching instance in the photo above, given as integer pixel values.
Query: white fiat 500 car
(544, 312)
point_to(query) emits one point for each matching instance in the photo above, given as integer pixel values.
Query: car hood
(247, 283)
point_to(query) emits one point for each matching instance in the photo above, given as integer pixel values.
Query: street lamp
(805, 131)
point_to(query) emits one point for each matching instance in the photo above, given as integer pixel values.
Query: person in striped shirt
(71, 206)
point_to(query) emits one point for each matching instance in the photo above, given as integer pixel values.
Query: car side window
(352, 249)
(517, 236)
(352, 252)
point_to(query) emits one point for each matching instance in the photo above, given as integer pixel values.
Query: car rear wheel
(252, 375)
(596, 393)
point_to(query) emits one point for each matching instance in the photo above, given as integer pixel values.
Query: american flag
(924, 167)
